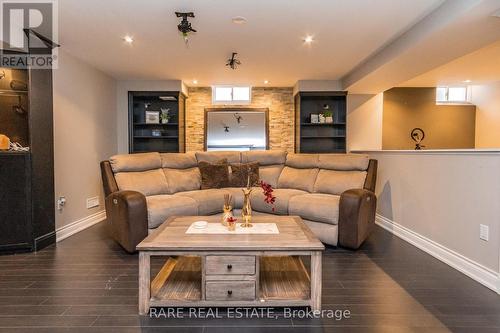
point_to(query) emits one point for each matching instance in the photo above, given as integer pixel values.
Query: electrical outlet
(92, 202)
(61, 201)
(484, 232)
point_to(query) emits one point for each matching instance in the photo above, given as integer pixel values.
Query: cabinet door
(15, 210)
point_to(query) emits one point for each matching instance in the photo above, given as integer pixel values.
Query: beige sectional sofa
(332, 193)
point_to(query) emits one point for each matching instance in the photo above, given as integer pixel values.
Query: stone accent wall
(279, 101)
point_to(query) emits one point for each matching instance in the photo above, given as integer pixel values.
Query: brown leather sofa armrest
(127, 218)
(356, 217)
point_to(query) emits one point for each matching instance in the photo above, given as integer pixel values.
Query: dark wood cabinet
(320, 137)
(145, 136)
(27, 204)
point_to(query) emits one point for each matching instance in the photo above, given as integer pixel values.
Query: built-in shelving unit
(27, 213)
(326, 137)
(156, 137)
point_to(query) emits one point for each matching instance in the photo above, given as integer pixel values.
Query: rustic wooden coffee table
(231, 270)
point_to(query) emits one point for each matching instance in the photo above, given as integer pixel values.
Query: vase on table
(227, 212)
(246, 211)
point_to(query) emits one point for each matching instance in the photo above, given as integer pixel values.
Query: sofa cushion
(283, 197)
(326, 233)
(178, 160)
(214, 156)
(135, 162)
(264, 157)
(336, 182)
(210, 201)
(299, 179)
(302, 161)
(315, 207)
(161, 207)
(150, 182)
(183, 179)
(343, 162)
(214, 175)
(239, 172)
(270, 174)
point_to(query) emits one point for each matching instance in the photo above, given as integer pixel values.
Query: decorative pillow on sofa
(214, 175)
(241, 171)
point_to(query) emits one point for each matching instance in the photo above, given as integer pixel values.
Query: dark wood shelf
(156, 137)
(322, 124)
(141, 138)
(320, 137)
(146, 124)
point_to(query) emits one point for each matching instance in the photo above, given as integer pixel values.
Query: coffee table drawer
(221, 265)
(230, 291)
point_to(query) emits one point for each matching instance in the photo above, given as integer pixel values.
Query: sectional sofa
(332, 193)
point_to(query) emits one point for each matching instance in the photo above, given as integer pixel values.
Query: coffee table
(231, 270)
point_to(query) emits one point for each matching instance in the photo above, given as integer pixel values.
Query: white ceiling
(270, 45)
(480, 67)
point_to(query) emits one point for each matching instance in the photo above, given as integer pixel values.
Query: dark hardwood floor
(88, 284)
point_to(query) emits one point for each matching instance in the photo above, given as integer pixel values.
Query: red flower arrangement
(269, 198)
(231, 219)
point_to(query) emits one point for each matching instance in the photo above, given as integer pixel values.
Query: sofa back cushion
(298, 179)
(271, 163)
(150, 182)
(181, 171)
(135, 162)
(178, 160)
(139, 172)
(341, 172)
(215, 156)
(343, 162)
(264, 157)
(336, 182)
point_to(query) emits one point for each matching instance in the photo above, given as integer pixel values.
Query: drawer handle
(229, 266)
(229, 292)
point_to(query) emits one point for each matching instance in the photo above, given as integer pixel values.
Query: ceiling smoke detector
(239, 20)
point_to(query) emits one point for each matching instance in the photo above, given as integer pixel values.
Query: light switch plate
(92, 202)
(484, 232)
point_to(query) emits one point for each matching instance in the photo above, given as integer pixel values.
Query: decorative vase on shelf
(329, 119)
(321, 118)
(246, 211)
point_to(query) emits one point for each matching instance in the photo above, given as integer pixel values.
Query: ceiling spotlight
(308, 39)
(128, 39)
(266, 81)
(239, 20)
(195, 81)
(467, 81)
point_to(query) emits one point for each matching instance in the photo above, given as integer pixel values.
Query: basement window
(231, 94)
(453, 95)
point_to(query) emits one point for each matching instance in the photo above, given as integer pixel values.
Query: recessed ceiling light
(128, 39)
(467, 81)
(239, 20)
(266, 81)
(308, 39)
(195, 81)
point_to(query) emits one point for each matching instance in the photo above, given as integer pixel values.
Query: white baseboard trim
(472, 269)
(79, 225)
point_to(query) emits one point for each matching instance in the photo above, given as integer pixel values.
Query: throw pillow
(240, 173)
(214, 175)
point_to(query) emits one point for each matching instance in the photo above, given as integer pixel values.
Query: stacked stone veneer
(279, 101)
